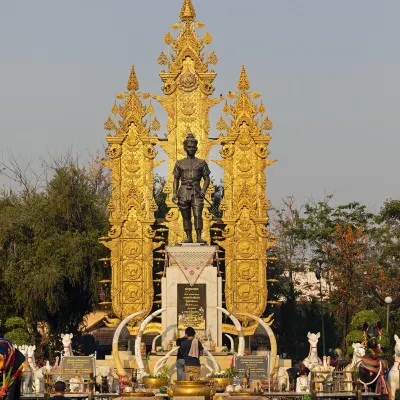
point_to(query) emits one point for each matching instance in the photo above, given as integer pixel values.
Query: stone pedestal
(186, 263)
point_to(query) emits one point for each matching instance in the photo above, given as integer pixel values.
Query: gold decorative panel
(187, 86)
(187, 75)
(130, 157)
(245, 204)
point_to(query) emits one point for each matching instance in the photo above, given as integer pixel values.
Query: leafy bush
(17, 336)
(15, 322)
(369, 316)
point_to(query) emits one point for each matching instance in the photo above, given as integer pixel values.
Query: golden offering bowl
(221, 382)
(155, 383)
(192, 389)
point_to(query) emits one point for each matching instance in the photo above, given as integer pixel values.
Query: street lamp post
(388, 301)
(318, 274)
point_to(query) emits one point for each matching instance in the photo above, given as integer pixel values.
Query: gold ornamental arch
(187, 76)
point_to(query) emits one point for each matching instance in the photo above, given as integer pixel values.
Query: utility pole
(318, 274)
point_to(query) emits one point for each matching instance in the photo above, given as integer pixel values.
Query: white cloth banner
(191, 259)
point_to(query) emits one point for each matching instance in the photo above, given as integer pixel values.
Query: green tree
(321, 220)
(356, 335)
(49, 247)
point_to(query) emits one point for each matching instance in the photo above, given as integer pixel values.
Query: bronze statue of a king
(189, 195)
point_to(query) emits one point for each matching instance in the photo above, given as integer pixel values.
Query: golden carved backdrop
(130, 157)
(245, 204)
(187, 76)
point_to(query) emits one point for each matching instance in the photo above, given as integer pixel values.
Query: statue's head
(190, 144)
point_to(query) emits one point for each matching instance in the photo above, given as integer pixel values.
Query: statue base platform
(191, 291)
(224, 361)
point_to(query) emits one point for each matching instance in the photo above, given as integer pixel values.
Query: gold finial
(221, 125)
(207, 39)
(262, 108)
(162, 59)
(187, 11)
(243, 80)
(212, 58)
(109, 125)
(155, 125)
(115, 108)
(133, 83)
(168, 39)
(150, 109)
(226, 108)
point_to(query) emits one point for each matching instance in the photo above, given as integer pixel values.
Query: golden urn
(221, 383)
(192, 389)
(155, 383)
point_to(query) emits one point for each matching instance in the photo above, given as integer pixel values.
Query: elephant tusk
(231, 341)
(138, 341)
(118, 364)
(238, 326)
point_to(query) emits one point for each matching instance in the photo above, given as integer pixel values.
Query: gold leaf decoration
(200, 24)
(262, 109)
(155, 125)
(221, 125)
(162, 59)
(267, 124)
(176, 26)
(145, 95)
(188, 12)
(109, 125)
(114, 109)
(255, 95)
(212, 58)
(168, 39)
(133, 83)
(207, 39)
(150, 109)
(243, 83)
(226, 108)
(120, 95)
(231, 95)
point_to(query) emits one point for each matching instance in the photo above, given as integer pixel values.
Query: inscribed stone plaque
(258, 366)
(81, 366)
(192, 306)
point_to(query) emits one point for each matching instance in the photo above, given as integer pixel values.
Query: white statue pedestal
(191, 291)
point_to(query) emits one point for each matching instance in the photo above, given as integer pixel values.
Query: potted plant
(223, 378)
(155, 381)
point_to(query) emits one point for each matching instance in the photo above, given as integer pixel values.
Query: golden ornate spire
(187, 11)
(243, 80)
(133, 83)
(243, 83)
(130, 157)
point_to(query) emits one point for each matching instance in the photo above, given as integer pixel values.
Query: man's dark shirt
(179, 343)
(58, 397)
(185, 350)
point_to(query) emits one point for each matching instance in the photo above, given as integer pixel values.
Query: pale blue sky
(328, 72)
